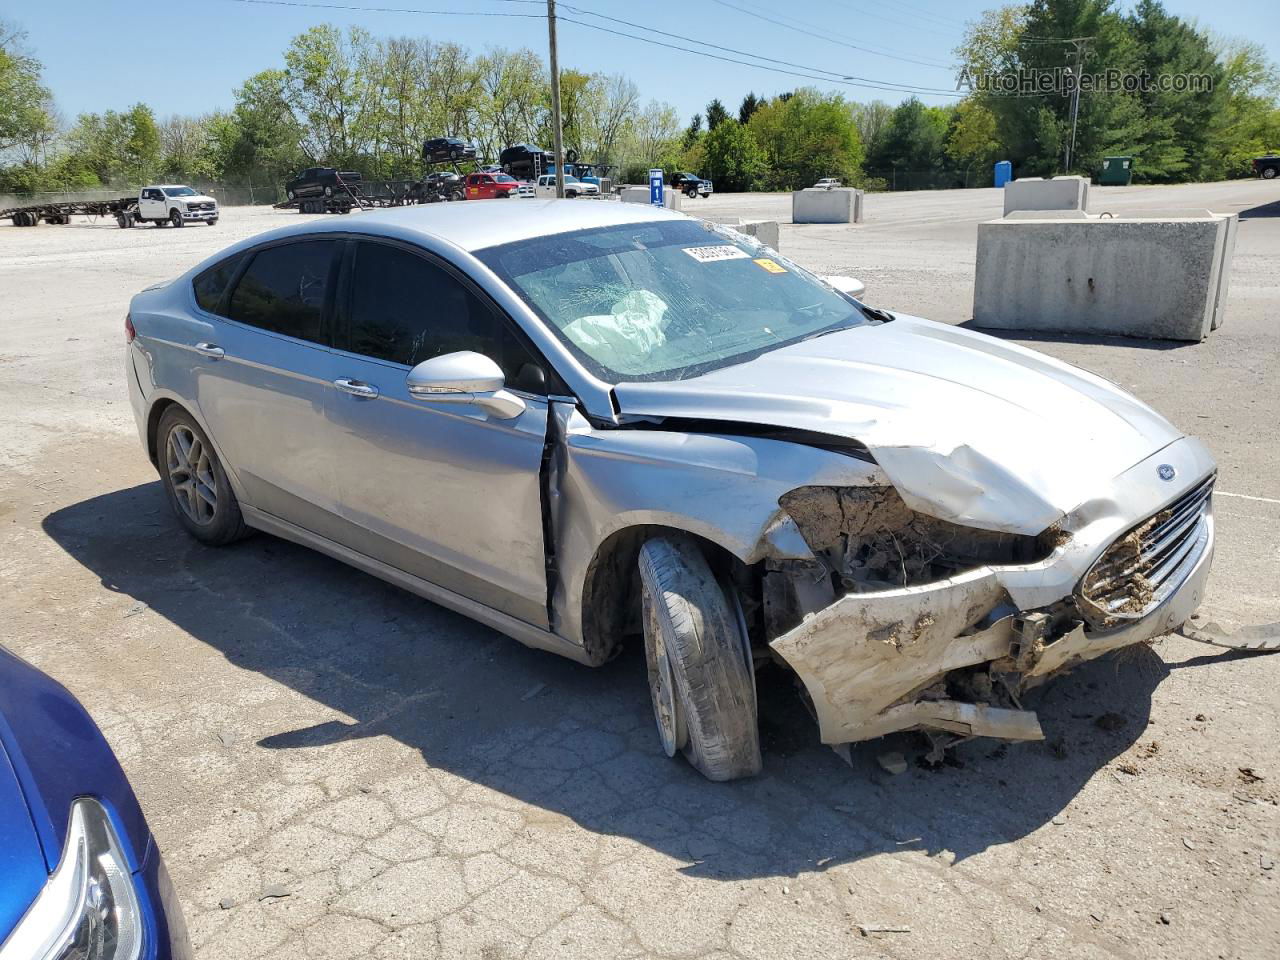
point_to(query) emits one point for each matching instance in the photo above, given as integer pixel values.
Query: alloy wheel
(190, 467)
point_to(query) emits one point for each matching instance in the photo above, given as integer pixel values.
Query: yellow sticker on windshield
(771, 265)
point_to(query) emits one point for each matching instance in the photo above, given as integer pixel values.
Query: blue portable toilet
(1004, 173)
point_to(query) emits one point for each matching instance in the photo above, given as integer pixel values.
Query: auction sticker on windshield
(771, 265)
(712, 254)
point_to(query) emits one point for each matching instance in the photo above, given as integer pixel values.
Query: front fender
(722, 488)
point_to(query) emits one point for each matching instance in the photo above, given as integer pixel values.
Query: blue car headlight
(88, 909)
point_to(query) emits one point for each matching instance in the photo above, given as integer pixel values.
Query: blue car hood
(54, 753)
(22, 865)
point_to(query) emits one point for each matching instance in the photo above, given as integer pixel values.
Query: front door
(445, 492)
(151, 204)
(264, 377)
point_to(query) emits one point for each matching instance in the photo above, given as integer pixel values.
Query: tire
(160, 223)
(328, 191)
(175, 218)
(195, 482)
(700, 676)
(124, 220)
(213, 222)
(1268, 173)
(288, 195)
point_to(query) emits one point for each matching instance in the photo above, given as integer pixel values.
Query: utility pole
(557, 132)
(1079, 43)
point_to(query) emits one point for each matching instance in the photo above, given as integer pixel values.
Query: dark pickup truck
(1268, 167)
(320, 181)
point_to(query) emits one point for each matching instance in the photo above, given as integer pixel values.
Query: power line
(836, 74)
(930, 28)
(827, 35)
(443, 13)
(747, 63)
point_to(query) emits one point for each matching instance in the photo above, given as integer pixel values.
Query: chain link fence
(227, 194)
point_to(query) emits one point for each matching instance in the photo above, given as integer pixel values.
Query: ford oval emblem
(1166, 472)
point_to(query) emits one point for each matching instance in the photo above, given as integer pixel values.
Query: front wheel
(328, 191)
(195, 481)
(1269, 173)
(213, 222)
(175, 218)
(698, 658)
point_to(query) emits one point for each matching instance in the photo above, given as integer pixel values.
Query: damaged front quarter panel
(943, 628)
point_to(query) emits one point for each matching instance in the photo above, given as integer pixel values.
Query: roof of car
(477, 224)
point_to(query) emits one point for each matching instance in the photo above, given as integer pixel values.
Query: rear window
(284, 289)
(212, 284)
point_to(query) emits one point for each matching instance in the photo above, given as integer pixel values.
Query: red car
(486, 186)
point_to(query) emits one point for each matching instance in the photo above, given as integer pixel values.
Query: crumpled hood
(967, 427)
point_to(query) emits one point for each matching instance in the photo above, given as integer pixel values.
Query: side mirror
(848, 286)
(464, 377)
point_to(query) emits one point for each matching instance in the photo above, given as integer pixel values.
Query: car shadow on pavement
(580, 742)
(1090, 339)
(1261, 212)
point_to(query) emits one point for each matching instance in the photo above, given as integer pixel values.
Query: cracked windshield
(667, 301)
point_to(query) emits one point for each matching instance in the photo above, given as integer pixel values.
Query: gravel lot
(424, 787)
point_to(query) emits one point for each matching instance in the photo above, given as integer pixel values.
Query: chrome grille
(1147, 564)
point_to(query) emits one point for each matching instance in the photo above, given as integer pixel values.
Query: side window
(283, 289)
(211, 284)
(406, 309)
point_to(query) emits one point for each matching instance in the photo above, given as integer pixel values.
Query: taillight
(129, 332)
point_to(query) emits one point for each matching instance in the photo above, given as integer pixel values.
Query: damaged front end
(902, 621)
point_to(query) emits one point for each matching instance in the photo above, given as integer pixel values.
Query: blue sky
(188, 56)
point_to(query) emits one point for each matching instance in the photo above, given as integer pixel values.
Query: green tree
(750, 104)
(260, 140)
(804, 136)
(1248, 123)
(972, 141)
(692, 132)
(1174, 142)
(731, 156)
(28, 119)
(716, 114)
(911, 150)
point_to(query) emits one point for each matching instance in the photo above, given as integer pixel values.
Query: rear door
(264, 379)
(445, 492)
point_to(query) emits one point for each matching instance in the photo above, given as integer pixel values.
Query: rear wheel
(698, 660)
(195, 481)
(124, 219)
(1269, 173)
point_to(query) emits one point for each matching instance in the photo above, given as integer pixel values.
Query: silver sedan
(586, 423)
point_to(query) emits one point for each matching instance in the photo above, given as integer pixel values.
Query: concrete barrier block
(767, 232)
(1159, 279)
(1047, 215)
(840, 205)
(670, 198)
(1060, 193)
(1224, 272)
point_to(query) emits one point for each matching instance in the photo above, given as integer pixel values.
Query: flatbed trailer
(353, 196)
(62, 211)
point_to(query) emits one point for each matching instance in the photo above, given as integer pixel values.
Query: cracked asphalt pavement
(337, 769)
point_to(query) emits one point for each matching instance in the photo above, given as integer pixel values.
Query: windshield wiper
(875, 313)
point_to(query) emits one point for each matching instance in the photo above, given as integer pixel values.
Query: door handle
(211, 350)
(357, 388)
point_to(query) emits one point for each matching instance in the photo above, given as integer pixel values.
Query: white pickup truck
(573, 187)
(169, 204)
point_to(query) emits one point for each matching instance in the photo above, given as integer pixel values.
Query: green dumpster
(1116, 172)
